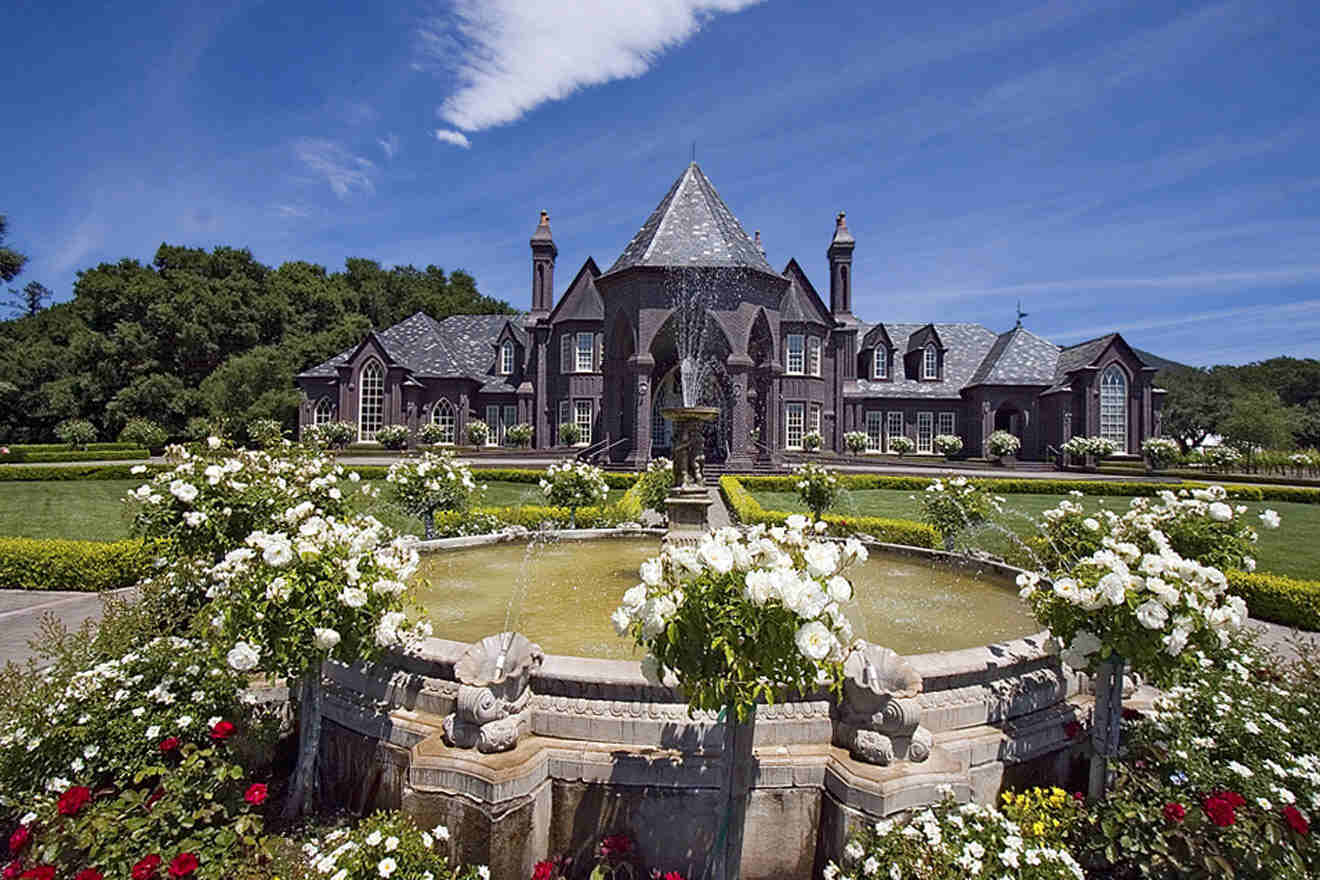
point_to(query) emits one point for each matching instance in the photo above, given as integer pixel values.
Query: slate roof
(459, 347)
(800, 303)
(966, 348)
(1018, 357)
(1083, 354)
(692, 227)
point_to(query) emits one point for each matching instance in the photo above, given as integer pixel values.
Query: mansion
(783, 362)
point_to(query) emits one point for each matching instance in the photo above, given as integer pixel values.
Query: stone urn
(494, 689)
(689, 500)
(879, 719)
(1006, 461)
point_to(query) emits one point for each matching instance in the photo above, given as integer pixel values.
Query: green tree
(1257, 420)
(1306, 424)
(30, 299)
(1197, 403)
(11, 261)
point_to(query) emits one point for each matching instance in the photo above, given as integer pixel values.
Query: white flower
(213, 442)
(1244, 772)
(387, 867)
(1269, 519)
(1220, 512)
(622, 620)
(822, 559)
(839, 588)
(635, 597)
(427, 840)
(153, 731)
(353, 597)
(374, 838)
(391, 843)
(1152, 615)
(483, 872)
(1091, 524)
(717, 555)
(853, 850)
(797, 522)
(326, 638)
(814, 640)
(871, 867)
(243, 656)
(441, 832)
(183, 490)
(652, 572)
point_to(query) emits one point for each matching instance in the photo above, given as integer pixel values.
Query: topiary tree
(811, 441)
(654, 484)
(901, 445)
(265, 433)
(519, 435)
(144, 433)
(947, 444)
(478, 432)
(950, 506)
(817, 487)
(856, 442)
(432, 483)
(392, 436)
(77, 433)
(569, 434)
(574, 484)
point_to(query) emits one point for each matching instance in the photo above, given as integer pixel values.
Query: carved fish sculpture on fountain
(494, 689)
(879, 718)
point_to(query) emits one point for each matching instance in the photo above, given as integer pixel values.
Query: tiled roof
(1018, 357)
(966, 347)
(460, 346)
(692, 227)
(1074, 357)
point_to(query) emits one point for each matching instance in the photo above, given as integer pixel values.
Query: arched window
(442, 414)
(324, 412)
(880, 369)
(931, 367)
(1113, 406)
(506, 358)
(371, 400)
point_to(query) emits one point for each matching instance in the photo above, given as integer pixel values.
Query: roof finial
(1020, 314)
(760, 247)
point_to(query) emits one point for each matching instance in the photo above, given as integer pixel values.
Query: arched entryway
(714, 388)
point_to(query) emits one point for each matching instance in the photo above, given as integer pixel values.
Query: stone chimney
(543, 268)
(840, 254)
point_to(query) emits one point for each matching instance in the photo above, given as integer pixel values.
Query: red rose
(223, 730)
(155, 796)
(74, 800)
(183, 865)
(1072, 730)
(169, 744)
(41, 872)
(1174, 812)
(673, 875)
(543, 871)
(1220, 811)
(12, 870)
(1294, 818)
(146, 869)
(256, 794)
(19, 839)
(616, 846)
(1078, 796)
(89, 874)
(1232, 798)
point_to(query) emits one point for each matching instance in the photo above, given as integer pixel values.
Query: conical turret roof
(692, 227)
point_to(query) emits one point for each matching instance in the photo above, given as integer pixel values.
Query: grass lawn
(92, 510)
(1293, 549)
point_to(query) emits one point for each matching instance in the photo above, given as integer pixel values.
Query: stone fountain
(689, 499)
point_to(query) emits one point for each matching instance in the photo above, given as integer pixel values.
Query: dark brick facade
(786, 362)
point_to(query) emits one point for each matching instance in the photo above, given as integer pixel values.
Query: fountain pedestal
(689, 500)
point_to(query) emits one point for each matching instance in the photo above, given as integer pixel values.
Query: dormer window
(506, 358)
(880, 369)
(930, 363)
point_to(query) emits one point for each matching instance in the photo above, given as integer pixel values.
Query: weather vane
(1020, 314)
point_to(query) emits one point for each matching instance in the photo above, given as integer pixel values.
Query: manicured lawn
(1293, 549)
(93, 510)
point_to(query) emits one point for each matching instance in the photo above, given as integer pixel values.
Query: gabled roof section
(1086, 354)
(582, 301)
(966, 346)
(512, 329)
(692, 227)
(923, 336)
(1018, 357)
(801, 303)
(873, 336)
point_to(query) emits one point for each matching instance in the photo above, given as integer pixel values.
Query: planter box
(1005, 461)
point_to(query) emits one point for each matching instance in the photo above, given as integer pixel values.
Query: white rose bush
(430, 483)
(947, 444)
(387, 846)
(954, 505)
(1094, 447)
(1001, 444)
(319, 588)
(817, 487)
(574, 484)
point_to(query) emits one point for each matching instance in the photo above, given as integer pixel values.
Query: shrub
(901, 446)
(1221, 456)
(1160, 451)
(952, 842)
(434, 434)
(569, 434)
(574, 484)
(433, 482)
(955, 505)
(1097, 447)
(76, 433)
(330, 435)
(478, 432)
(811, 441)
(486, 520)
(392, 436)
(91, 566)
(265, 433)
(856, 442)
(198, 428)
(1279, 599)
(817, 487)
(947, 444)
(387, 845)
(144, 433)
(1001, 444)
(895, 531)
(653, 485)
(519, 435)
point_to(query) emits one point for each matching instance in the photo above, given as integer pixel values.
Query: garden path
(21, 612)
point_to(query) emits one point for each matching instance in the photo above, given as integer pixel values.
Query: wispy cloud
(389, 144)
(509, 56)
(341, 169)
(292, 211)
(449, 136)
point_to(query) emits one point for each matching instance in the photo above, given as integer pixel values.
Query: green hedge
(88, 566)
(627, 509)
(67, 454)
(894, 531)
(1279, 599)
(1029, 486)
(26, 448)
(497, 475)
(56, 473)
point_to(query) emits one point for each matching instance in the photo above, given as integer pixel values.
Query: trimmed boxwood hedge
(1029, 486)
(1278, 599)
(67, 454)
(87, 566)
(893, 531)
(57, 474)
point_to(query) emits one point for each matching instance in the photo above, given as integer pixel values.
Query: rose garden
(277, 696)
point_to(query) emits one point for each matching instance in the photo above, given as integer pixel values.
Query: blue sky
(1145, 167)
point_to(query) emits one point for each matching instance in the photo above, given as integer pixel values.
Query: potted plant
(519, 435)
(901, 445)
(948, 444)
(1159, 452)
(1002, 448)
(1090, 450)
(856, 442)
(569, 434)
(478, 432)
(811, 441)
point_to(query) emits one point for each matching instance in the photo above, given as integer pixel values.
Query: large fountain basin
(608, 751)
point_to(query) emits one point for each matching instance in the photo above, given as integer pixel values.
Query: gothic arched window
(371, 400)
(442, 414)
(324, 412)
(1113, 406)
